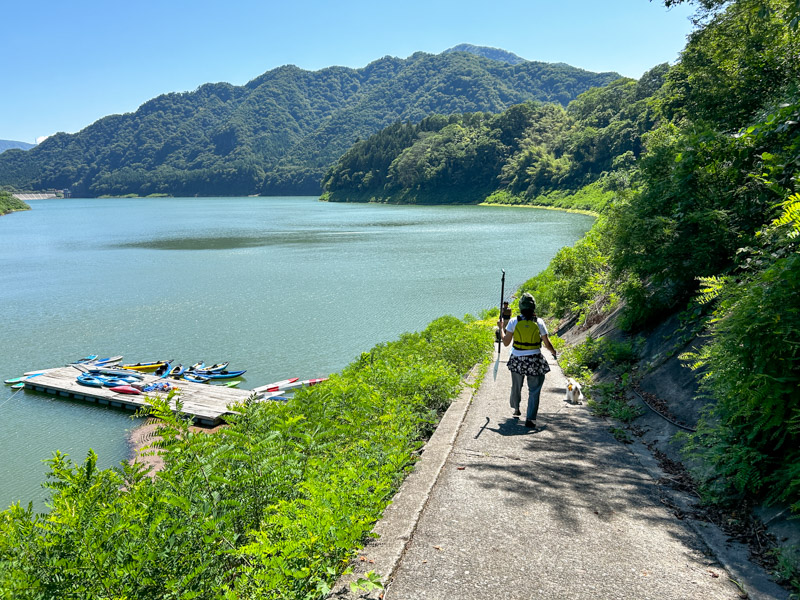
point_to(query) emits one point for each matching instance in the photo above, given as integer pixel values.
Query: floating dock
(205, 403)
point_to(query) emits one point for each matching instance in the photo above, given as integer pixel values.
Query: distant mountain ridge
(9, 144)
(280, 132)
(490, 53)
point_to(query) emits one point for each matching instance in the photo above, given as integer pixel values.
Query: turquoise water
(278, 286)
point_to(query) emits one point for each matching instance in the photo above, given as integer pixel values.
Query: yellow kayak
(150, 366)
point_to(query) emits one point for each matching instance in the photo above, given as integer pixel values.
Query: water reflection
(226, 242)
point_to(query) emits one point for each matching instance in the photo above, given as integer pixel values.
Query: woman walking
(528, 333)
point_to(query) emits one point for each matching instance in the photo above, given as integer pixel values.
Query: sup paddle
(500, 331)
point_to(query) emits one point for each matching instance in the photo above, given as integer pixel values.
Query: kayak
(291, 386)
(85, 359)
(274, 387)
(125, 389)
(270, 395)
(116, 373)
(90, 381)
(15, 380)
(216, 374)
(218, 368)
(111, 382)
(150, 366)
(106, 361)
(298, 384)
(195, 378)
(177, 371)
(163, 370)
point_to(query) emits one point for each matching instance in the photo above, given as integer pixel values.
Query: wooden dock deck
(204, 402)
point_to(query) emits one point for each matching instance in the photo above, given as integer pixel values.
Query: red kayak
(125, 389)
(274, 387)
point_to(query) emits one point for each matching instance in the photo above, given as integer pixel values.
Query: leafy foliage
(605, 399)
(750, 45)
(9, 203)
(280, 132)
(272, 506)
(575, 277)
(493, 53)
(752, 367)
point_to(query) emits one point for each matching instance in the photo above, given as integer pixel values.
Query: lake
(278, 286)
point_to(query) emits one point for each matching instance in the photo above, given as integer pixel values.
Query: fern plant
(752, 369)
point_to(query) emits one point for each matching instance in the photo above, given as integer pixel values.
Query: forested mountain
(8, 144)
(486, 52)
(280, 132)
(524, 153)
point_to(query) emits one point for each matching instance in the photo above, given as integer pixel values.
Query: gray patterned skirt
(533, 364)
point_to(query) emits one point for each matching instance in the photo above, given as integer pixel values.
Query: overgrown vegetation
(577, 279)
(710, 220)
(694, 170)
(752, 433)
(9, 203)
(272, 506)
(605, 399)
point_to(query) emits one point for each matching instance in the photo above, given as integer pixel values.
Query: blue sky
(66, 64)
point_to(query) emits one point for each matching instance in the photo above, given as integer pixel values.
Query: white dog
(574, 393)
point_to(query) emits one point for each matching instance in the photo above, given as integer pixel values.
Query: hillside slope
(281, 131)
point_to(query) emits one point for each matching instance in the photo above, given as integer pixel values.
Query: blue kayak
(217, 374)
(177, 371)
(90, 381)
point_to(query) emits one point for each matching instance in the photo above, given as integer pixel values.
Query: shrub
(575, 277)
(752, 434)
(272, 506)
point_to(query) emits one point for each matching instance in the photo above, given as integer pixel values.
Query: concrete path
(562, 512)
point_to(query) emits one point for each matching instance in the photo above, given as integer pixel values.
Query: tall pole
(502, 297)
(500, 331)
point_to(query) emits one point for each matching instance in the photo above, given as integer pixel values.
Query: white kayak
(290, 386)
(274, 387)
(269, 395)
(41, 371)
(18, 380)
(304, 383)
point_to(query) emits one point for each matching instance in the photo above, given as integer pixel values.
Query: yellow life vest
(527, 335)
